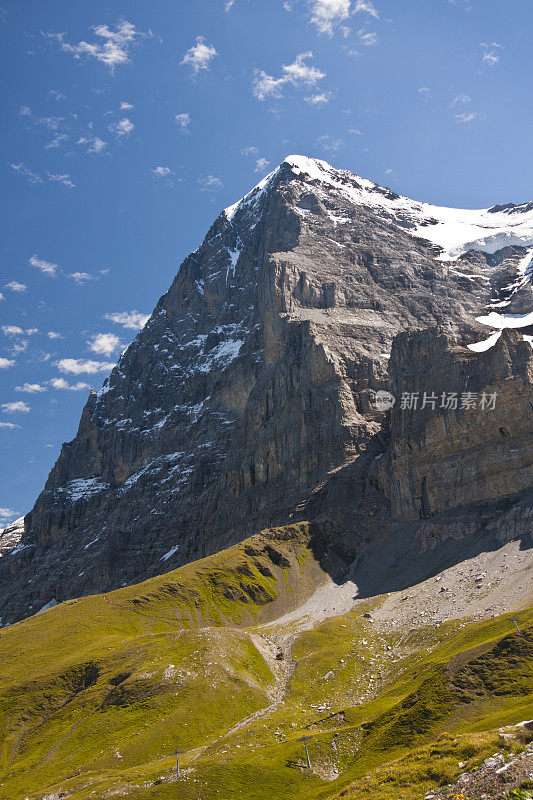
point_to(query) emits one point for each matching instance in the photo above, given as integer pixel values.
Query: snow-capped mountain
(253, 382)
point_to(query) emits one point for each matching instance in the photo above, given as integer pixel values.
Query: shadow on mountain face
(399, 561)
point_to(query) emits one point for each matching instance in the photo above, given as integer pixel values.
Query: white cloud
(61, 383)
(77, 366)
(133, 320)
(19, 347)
(22, 169)
(355, 131)
(12, 330)
(318, 99)
(11, 425)
(81, 277)
(32, 177)
(31, 388)
(367, 7)
(425, 91)
(63, 178)
(57, 95)
(327, 13)
(368, 38)
(15, 286)
(7, 513)
(200, 55)
(31, 331)
(126, 106)
(104, 344)
(16, 407)
(210, 184)
(111, 48)
(162, 172)
(298, 73)
(96, 145)
(54, 335)
(461, 99)
(261, 164)
(25, 111)
(56, 141)
(490, 53)
(6, 362)
(2, 296)
(183, 121)
(123, 127)
(469, 116)
(329, 143)
(46, 267)
(229, 5)
(250, 150)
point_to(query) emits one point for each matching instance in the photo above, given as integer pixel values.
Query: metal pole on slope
(514, 619)
(177, 754)
(306, 739)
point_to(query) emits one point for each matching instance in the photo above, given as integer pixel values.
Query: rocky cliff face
(253, 384)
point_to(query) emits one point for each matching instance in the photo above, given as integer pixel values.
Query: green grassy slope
(96, 693)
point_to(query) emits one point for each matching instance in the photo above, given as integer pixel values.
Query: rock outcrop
(252, 387)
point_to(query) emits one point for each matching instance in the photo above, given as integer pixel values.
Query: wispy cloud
(261, 164)
(329, 143)
(200, 55)
(326, 14)
(366, 7)
(318, 99)
(15, 286)
(82, 277)
(61, 177)
(7, 513)
(33, 177)
(78, 366)
(22, 169)
(297, 74)
(57, 141)
(424, 91)
(124, 106)
(31, 388)
(162, 172)
(54, 335)
(183, 121)
(111, 47)
(95, 144)
(5, 363)
(368, 38)
(133, 320)
(12, 330)
(16, 407)
(490, 54)
(104, 344)
(46, 267)
(123, 127)
(461, 99)
(11, 426)
(210, 184)
(61, 383)
(469, 116)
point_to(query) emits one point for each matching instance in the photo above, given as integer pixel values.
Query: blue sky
(130, 125)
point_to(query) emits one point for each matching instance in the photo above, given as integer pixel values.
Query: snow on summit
(453, 230)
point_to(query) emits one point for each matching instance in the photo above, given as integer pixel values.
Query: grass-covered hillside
(97, 693)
